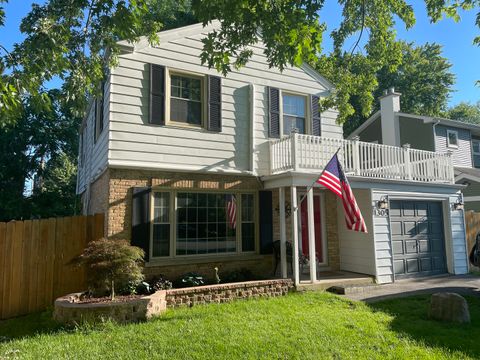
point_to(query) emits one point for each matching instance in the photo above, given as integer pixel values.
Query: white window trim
(454, 146)
(203, 77)
(173, 228)
(308, 117)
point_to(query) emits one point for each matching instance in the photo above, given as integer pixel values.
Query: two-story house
(461, 140)
(202, 170)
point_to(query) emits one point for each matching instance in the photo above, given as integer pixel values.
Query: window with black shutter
(214, 122)
(157, 95)
(274, 112)
(316, 118)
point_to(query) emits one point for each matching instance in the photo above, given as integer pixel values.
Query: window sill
(204, 259)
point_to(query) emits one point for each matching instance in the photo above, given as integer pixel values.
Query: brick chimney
(389, 105)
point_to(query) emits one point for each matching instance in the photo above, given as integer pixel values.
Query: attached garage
(418, 240)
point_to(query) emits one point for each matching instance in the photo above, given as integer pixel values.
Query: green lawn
(300, 326)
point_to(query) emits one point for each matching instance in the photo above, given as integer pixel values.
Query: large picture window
(293, 113)
(205, 223)
(186, 99)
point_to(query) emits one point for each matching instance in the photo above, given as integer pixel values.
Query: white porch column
(283, 232)
(293, 200)
(311, 236)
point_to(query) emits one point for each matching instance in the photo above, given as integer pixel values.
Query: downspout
(252, 131)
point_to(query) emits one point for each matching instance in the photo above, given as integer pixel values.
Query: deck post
(283, 232)
(295, 252)
(311, 237)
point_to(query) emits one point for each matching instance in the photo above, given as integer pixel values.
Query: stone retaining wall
(68, 311)
(227, 292)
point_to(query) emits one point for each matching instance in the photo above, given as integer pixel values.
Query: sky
(456, 39)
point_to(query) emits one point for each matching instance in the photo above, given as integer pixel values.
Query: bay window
(202, 223)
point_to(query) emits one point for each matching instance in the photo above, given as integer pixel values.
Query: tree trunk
(113, 290)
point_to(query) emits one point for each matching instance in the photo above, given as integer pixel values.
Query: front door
(317, 216)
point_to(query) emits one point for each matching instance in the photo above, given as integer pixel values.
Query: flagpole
(313, 184)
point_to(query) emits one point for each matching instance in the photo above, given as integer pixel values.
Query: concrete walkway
(462, 284)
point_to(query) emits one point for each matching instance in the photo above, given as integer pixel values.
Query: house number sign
(381, 212)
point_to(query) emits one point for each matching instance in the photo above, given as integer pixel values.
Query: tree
(76, 40)
(466, 112)
(423, 77)
(110, 265)
(42, 143)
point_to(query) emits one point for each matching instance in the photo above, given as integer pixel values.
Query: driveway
(462, 284)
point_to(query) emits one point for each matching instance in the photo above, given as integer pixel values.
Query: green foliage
(110, 264)
(238, 276)
(466, 112)
(160, 283)
(42, 142)
(423, 76)
(76, 41)
(191, 279)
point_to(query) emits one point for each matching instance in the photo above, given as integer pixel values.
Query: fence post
(406, 156)
(293, 143)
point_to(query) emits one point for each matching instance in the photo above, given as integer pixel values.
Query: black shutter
(315, 111)
(157, 94)
(141, 219)
(266, 222)
(101, 103)
(214, 103)
(274, 112)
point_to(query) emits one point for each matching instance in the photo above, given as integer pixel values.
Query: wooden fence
(472, 223)
(34, 261)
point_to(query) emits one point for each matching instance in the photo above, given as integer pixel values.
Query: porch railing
(306, 153)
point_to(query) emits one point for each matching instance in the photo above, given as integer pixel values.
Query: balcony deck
(307, 153)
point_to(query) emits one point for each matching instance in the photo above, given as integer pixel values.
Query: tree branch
(361, 30)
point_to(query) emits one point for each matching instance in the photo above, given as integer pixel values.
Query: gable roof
(195, 29)
(426, 120)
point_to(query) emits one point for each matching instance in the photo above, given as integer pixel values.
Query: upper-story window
(294, 113)
(476, 152)
(186, 99)
(452, 139)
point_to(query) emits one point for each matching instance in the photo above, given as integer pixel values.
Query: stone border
(227, 292)
(67, 311)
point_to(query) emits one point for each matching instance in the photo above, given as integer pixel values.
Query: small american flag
(334, 179)
(231, 210)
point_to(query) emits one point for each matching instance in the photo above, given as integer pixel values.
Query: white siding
(458, 240)
(461, 156)
(357, 252)
(383, 248)
(95, 153)
(134, 142)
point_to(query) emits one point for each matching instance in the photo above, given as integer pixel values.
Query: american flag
(231, 210)
(334, 179)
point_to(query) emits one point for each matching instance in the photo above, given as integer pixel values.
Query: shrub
(160, 283)
(238, 276)
(191, 279)
(111, 264)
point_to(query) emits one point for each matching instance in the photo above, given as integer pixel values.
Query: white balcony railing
(307, 153)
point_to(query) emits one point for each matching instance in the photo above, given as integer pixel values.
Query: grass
(300, 326)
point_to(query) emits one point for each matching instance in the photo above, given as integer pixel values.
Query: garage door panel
(426, 264)
(398, 247)
(396, 228)
(410, 228)
(424, 246)
(399, 267)
(421, 209)
(417, 238)
(412, 266)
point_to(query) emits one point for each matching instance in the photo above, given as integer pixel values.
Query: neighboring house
(203, 171)
(462, 140)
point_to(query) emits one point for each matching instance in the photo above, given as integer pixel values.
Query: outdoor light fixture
(459, 205)
(288, 209)
(383, 203)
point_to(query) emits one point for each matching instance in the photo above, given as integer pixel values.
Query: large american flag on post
(334, 179)
(231, 210)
